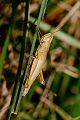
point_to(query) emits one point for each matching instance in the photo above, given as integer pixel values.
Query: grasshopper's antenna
(56, 29)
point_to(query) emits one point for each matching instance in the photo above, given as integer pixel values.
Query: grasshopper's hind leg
(41, 78)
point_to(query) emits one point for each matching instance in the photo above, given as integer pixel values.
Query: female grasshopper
(39, 61)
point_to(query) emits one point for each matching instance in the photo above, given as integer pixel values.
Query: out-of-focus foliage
(60, 97)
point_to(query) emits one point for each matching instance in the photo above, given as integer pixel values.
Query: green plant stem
(4, 50)
(64, 85)
(41, 14)
(56, 81)
(8, 36)
(17, 82)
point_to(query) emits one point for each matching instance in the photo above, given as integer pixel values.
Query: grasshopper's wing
(33, 74)
(33, 67)
(41, 78)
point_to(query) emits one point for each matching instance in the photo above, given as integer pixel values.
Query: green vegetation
(24, 23)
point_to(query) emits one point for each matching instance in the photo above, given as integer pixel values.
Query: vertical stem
(17, 82)
(41, 14)
(66, 78)
(8, 36)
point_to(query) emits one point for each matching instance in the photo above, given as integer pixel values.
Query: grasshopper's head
(46, 40)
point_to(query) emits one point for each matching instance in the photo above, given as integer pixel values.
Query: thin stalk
(56, 81)
(66, 78)
(8, 36)
(4, 50)
(64, 86)
(17, 82)
(41, 14)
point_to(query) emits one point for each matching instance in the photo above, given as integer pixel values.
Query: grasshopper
(39, 61)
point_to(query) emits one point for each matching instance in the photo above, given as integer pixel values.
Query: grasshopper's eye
(41, 42)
